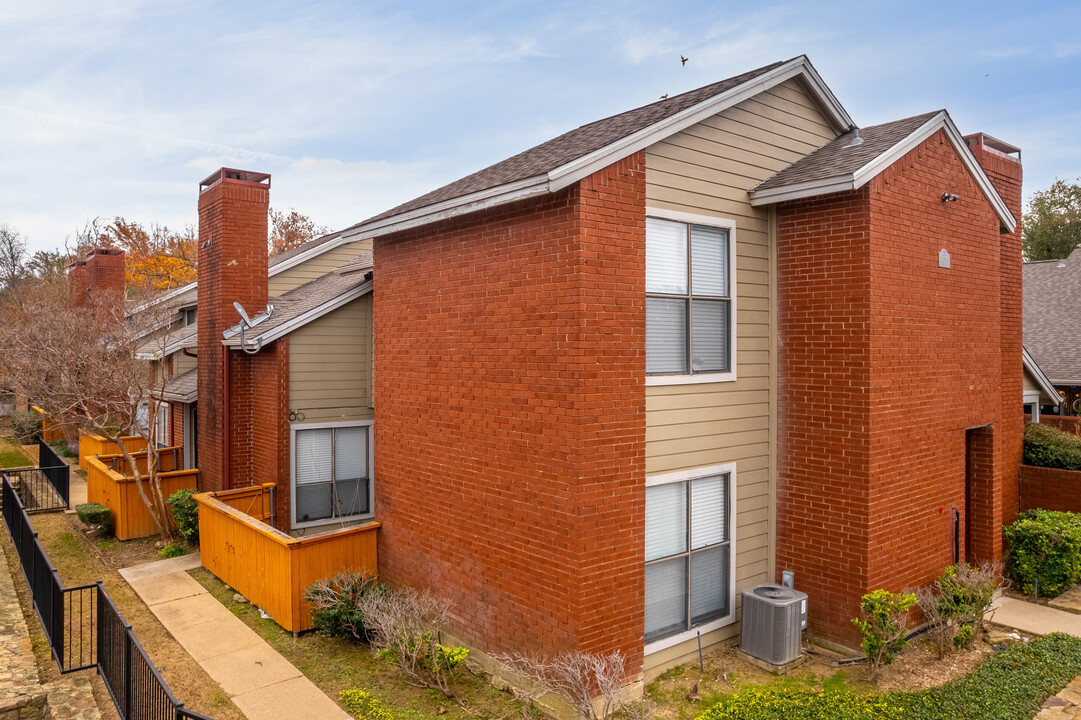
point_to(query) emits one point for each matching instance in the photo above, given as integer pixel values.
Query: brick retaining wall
(1050, 489)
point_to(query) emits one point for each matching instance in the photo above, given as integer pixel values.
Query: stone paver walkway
(262, 683)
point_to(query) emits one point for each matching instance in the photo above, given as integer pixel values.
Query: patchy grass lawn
(11, 455)
(334, 665)
(80, 561)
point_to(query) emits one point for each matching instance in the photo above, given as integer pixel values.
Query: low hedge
(1043, 551)
(1011, 685)
(1050, 447)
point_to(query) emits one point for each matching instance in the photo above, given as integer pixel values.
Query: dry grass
(334, 664)
(80, 561)
(11, 455)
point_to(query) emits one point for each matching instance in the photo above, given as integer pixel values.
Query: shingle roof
(170, 342)
(836, 159)
(572, 145)
(289, 306)
(1051, 317)
(311, 244)
(183, 387)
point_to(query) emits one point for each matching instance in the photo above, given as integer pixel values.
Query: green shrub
(882, 623)
(363, 706)
(172, 551)
(1050, 447)
(1008, 686)
(186, 513)
(1043, 548)
(61, 448)
(965, 595)
(335, 600)
(95, 514)
(25, 426)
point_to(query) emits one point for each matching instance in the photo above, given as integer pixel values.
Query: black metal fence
(54, 469)
(85, 629)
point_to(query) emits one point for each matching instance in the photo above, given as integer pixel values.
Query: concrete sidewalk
(263, 684)
(1032, 619)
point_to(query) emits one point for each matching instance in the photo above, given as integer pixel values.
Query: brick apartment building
(616, 379)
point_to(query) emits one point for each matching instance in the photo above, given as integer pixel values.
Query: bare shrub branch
(576, 677)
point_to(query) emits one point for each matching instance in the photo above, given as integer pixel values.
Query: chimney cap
(243, 177)
(993, 144)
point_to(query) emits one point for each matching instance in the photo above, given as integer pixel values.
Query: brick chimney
(1002, 163)
(77, 283)
(233, 207)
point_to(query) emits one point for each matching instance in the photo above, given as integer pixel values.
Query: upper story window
(689, 300)
(189, 316)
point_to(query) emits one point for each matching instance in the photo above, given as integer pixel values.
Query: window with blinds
(688, 300)
(688, 554)
(330, 474)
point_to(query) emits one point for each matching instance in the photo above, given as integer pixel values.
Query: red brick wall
(232, 267)
(77, 283)
(510, 416)
(176, 424)
(1066, 424)
(259, 422)
(882, 367)
(1050, 489)
(105, 273)
(823, 317)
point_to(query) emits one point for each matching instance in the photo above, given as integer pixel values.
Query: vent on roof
(857, 140)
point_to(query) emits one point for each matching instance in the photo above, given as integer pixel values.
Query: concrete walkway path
(263, 684)
(1032, 619)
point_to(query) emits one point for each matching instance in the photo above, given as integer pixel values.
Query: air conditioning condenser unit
(774, 618)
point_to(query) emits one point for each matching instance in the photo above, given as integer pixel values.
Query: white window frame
(162, 419)
(716, 623)
(293, 472)
(730, 226)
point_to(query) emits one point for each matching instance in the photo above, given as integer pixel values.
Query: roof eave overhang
(582, 167)
(1045, 383)
(177, 398)
(300, 320)
(862, 176)
(169, 349)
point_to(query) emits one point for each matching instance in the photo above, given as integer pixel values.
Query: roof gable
(564, 160)
(845, 164)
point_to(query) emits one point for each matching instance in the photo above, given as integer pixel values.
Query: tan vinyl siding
(707, 170)
(183, 363)
(330, 365)
(318, 266)
(1029, 382)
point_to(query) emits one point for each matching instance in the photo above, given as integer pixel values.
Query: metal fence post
(127, 672)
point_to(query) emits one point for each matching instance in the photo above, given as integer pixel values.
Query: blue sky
(121, 107)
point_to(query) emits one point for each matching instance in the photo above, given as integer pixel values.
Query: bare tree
(12, 257)
(290, 230)
(79, 365)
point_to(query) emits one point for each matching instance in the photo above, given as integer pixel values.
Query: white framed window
(690, 298)
(161, 425)
(331, 472)
(689, 558)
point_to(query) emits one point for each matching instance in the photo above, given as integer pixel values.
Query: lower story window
(688, 552)
(331, 473)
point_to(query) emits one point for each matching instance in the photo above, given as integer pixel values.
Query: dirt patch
(918, 667)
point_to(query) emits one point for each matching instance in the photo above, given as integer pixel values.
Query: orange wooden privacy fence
(49, 430)
(91, 445)
(268, 567)
(119, 493)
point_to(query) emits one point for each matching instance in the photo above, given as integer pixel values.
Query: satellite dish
(243, 315)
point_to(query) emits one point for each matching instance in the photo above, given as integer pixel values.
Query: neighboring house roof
(1038, 376)
(562, 161)
(171, 342)
(1051, 316)
(841, 165)
(310, 301)
(183, 388)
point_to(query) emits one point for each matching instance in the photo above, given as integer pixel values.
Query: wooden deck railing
(91, 445)
(268, 567)
(119, 493)
(49, 429)
(169, 459)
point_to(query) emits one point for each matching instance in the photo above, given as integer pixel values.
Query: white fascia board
(1009, 223)
(451, 208)
(797, 191)
(1038, 375)
(586, 165)
(305, 318)
(169, 349)
(161, 298)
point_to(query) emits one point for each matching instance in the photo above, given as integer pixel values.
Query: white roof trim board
(169, 348)
(1041, 379)
(859, 178)
(582, 167)
(300, 320)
